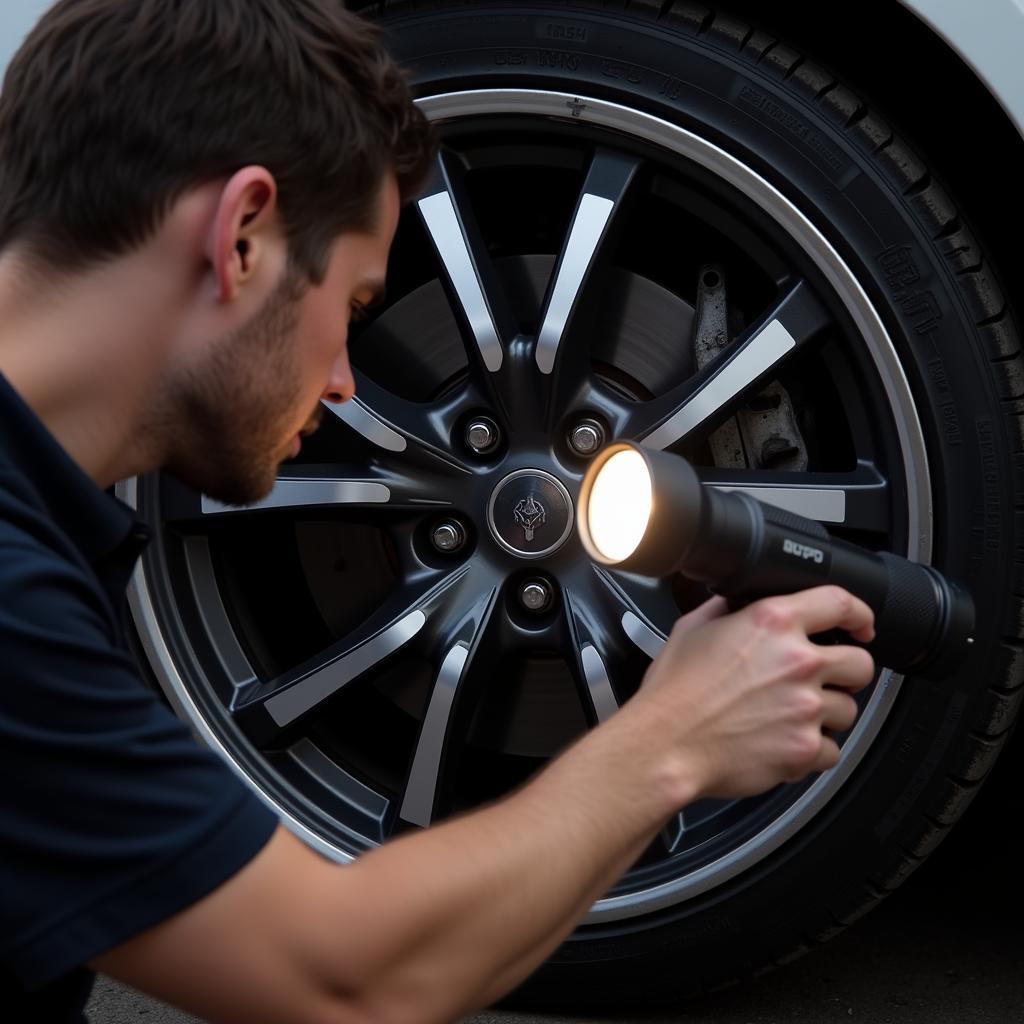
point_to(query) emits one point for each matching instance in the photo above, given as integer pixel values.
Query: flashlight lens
(620, 505)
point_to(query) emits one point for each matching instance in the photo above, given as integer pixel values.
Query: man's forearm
(480, 901)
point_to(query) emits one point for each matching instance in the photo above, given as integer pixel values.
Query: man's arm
(437, 924)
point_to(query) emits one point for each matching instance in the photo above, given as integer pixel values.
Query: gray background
(16, 18)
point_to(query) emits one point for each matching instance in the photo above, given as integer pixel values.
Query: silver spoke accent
(602, 696)
(587, 231)
(859, 499)
(607, 182)
(288, 705)
(642, 635)
(418, 804)
(295, 492)
(442, 222)
(672, 834)
(760, 354)
(365, 422)
(826, 504)
(652, 643)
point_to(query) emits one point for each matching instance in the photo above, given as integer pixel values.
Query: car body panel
(988, 42)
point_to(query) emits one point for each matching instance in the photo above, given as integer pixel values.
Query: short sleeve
(112, 817)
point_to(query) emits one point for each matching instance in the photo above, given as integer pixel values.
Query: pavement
(946, 948)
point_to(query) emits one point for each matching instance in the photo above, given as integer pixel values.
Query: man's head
(235, 409)
(260, 119)
(113, 109)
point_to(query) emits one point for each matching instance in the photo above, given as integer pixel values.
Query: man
(194, 198)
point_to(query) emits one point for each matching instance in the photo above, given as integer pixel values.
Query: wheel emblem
(530, 514)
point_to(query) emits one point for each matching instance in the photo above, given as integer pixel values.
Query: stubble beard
(231, 415)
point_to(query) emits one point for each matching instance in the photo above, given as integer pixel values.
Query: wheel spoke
(650, 640)
(303, 488)
(586, 661)
(356, 414)
(421, 788)
(643, 634)
(672, 834)
(436, 733)
(745, 365)
(859, 500)
(636, 599)
(360, 490)
(468, 274)
(602, 196)
(420, 431)
(278, 704)
(595, 674)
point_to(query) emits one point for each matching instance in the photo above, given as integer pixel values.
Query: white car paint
(989, 36)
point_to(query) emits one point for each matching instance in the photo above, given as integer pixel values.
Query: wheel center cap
(530, 513)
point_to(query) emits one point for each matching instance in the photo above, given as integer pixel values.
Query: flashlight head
(640, 510)
(616, 502)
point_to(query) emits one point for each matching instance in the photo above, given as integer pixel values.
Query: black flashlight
(646, 512)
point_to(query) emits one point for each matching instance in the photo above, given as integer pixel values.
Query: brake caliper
(763, 433)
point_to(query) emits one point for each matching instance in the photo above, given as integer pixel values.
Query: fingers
(842, 713)
(824, 608)
(828, 755)
(847, 670)
(839, 711)
(850, 668)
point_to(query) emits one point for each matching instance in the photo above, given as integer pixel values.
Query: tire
(905, 397)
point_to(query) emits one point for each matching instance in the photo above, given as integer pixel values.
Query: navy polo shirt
(112, 817)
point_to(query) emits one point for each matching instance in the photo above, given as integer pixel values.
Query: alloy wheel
(408, 626)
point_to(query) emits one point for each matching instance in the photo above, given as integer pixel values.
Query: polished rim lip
(664, 134)
(570, 519)
(147, 624)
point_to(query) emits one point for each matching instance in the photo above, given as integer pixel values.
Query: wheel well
(933, 99)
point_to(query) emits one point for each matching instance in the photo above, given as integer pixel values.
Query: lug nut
(482, 436)
(448, 536)
(586, 437)
(535, 595)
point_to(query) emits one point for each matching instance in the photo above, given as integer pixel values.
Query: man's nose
(341, 385)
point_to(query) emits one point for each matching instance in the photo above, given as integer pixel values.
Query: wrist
(674, 765)
(637, 754)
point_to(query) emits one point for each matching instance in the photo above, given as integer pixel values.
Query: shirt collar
(96, 522)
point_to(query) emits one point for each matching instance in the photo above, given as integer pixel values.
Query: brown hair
(113, 109)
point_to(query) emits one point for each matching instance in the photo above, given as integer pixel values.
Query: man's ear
(244, 224)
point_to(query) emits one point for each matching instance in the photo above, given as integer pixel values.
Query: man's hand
(750, 699)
